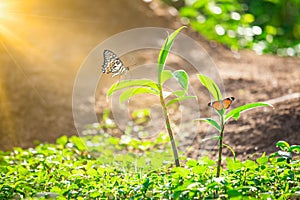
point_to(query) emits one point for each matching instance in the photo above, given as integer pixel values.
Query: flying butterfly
(222, 104)
(113, 64)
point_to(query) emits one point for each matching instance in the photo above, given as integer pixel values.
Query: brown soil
(36, 94)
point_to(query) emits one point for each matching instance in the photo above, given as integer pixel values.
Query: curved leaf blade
(175, 100)
(295, 149)
(127, 94)
(283, 145)
(165, 51)
(211, 122)
(211, 86)
(183, 79)
(166, 75)
(131, 83)
(235, 113)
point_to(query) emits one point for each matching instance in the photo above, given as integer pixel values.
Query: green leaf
(94, 194)
(235, 113)
(283, 145)
(249, 164)
(166, 75)
(211, 122)
(165, 51)
(200, 169)
(262, 160)
(130, 83)
(211, 86)
(179, 93)
(63, 140)
(191, 163)
(183, 79)
(234, 193)
(295, 149)
(179, 99)
(134, 91)
(146, 183)
(78, 143)
(183, 172)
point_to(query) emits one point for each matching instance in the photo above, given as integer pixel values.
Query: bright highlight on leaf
(134, 91)
(211, 86)
(131, 83)
(166, 75)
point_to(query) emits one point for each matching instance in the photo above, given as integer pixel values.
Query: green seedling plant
(221, 107)
(147, 86)
(286, 151)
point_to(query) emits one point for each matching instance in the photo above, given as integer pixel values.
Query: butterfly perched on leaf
(222, 104)
(112, 64)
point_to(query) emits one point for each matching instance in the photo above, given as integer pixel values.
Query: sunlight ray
(7, 118)
(23, 72)
(54, 18)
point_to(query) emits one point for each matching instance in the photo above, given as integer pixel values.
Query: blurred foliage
(266, 26)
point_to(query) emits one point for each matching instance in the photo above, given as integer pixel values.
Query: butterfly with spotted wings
(113, 64)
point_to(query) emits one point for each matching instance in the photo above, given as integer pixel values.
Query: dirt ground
(39, 94)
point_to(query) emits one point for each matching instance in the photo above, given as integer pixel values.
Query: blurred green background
(266, 26)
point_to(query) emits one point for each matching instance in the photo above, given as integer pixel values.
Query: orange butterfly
(223, 104)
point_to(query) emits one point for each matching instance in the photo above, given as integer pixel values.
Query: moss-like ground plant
(66, 171)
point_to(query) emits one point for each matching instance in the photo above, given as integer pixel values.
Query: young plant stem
(220, 146)
(170, 132)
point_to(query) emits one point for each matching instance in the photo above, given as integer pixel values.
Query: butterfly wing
(216, 105)
(109, 58)
(227, 102)
(112, 64)
(224, 104)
